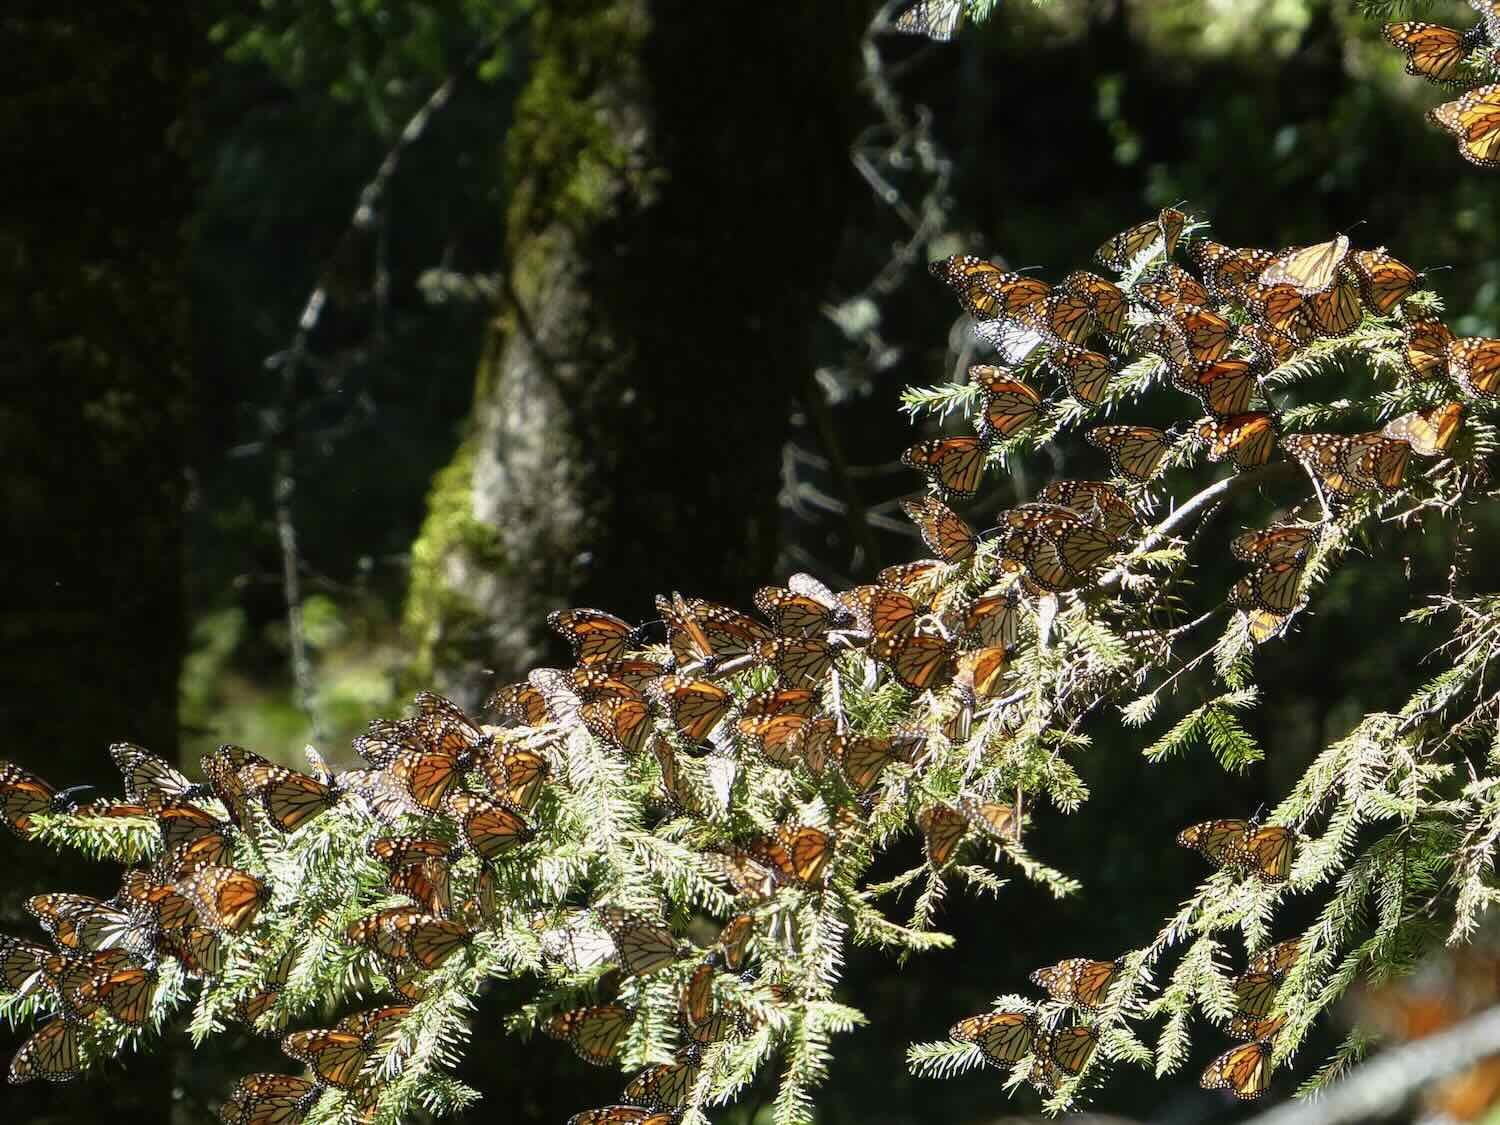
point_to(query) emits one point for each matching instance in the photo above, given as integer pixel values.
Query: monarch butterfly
(1010, 405)
(1311, 269)
(426, 776)
(994, 620)
(1283, 543)
(1280, 308)
(594, 635)
(336, 1056)
(21, 963)
(1272, 586)
(794, 614)
(771, 736)
(1170, 287)
(1245, 1071)
(1002, 1037)
(1218, 841)
(81, 922)
(1277, 958)
(1263, 626)
(1475, 121)
(1208, 334)
(907, 576)
(577, 944)
(125, 992)
(1097, 502)
(881, 611)
(270, 1099)
(696, 706)
(1255, 992)
(814, 743)
(1429, 432)
(428, 881)
(251, 1007)
(734, 940)
(1247, 438)
(516, 775)
(703, 1019)
(943, 829)
(520, 703)
(565, 690)
(986, 291)
(401, 934)
(1426, 351)
(488, 827)
(1104, 298)
(1225, 388)
(619, 721)
(643, 947)
(50, 1054)
(199, 949)
(980, 671)
(595, 1034)
(863, 758)
(1336, 310)
(1038, 552)
(667, 1085)
(920, 661)
(1078, 981)
(1087, 373)
(797, 854)
(1267, 345)
(1383, 280)
(1377, 460)
(1061, 318)
(1165, 339)
(942, 530)
(22, 795)
(794, 661)
(289, 798)
(621, 1115)
(782, 701)
(751, 881)
(956, 464)
(149, 777)
(1433, 51)
(996, 821)
(1228, 272)
(1240, 845)
(226, 899)
(1475, 362)
(1135, 452)
(1264, 1030)
(1071, 1047)
(936, 19)
(704, 632)
(1123, 248)
(1269, 851)
(377, 794)
(183, 824)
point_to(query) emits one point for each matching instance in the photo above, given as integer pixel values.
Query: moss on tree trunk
(674, 210)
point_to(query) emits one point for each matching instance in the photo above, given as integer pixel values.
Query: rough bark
(92, 222)
(677, 176)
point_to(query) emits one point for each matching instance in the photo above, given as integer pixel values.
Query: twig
(1377, 1088)
(1210, 496)
(281, 419)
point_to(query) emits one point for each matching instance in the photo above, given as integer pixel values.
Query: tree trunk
(91, 424)
(674, 210)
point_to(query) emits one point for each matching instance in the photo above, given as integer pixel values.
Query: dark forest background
(630, 314)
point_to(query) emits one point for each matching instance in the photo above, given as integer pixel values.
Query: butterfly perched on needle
(938, 20)
(1474, 121)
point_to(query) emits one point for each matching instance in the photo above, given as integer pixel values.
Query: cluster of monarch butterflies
(1245, 1070)
(725, 694)
(1007, 1036)
(1445, 56)
(1214, 331)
